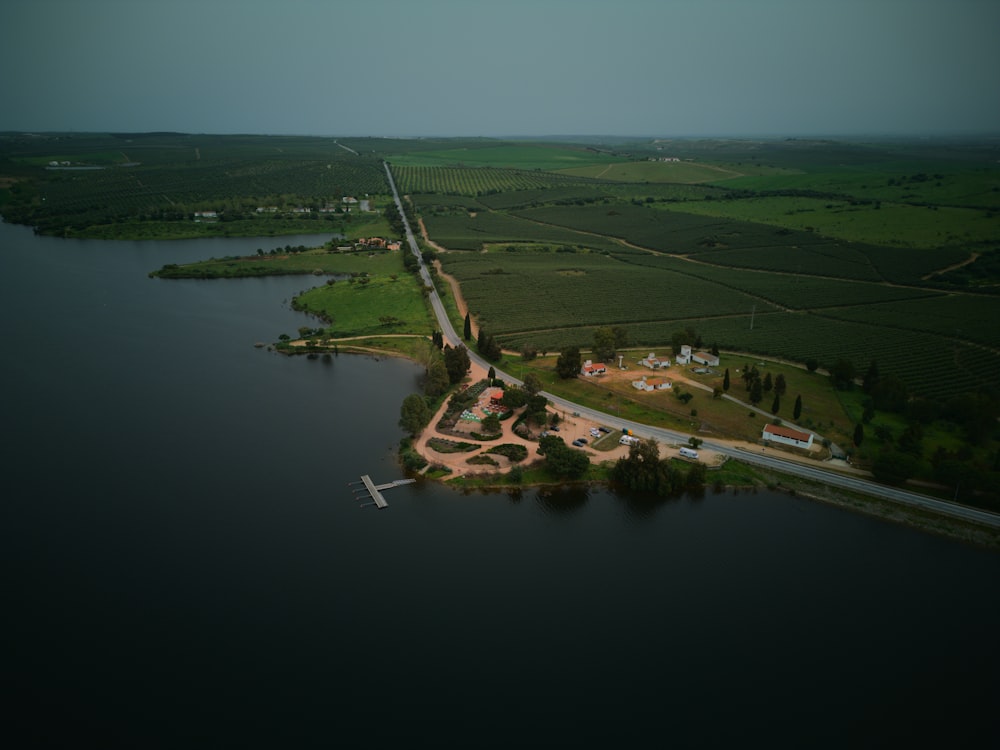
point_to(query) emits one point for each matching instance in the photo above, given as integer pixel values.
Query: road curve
(826, 476)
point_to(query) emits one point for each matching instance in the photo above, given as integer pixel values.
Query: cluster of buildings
(773, 434)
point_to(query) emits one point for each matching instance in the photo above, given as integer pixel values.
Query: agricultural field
(793, 248)
(879, 223)
(682, 172)
(546, 157)
(163, 179)
(473, 181)
(471, 232)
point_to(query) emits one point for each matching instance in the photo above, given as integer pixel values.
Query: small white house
(704, 358)
(684, 358)
(590, 369)
(651, 384)
(653, 362)
(776, 433)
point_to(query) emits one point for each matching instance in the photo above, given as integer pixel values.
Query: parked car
(583, 441)
(554, 428)
(577, 443)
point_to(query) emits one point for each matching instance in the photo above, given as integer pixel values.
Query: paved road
(826, 476)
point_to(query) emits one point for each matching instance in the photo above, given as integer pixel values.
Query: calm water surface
(185, 564)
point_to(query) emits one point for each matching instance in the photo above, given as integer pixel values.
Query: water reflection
(562, 500)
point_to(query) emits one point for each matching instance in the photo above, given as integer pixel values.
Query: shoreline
(479, 477)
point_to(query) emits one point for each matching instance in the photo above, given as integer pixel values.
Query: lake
(186, 565)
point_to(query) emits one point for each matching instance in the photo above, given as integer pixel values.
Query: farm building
(652, 384)
(590, 369)
(704, 358)
(787, 436)
(684, 358)
(653, 362)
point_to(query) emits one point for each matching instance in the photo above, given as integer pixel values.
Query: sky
(664, 68)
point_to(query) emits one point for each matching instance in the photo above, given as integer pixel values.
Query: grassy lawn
(380, 306)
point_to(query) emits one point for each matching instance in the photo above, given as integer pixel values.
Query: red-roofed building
(593, 368)
(776, 433)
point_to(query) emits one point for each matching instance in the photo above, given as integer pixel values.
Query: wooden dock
(375, 491)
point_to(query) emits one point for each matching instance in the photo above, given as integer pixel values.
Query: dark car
(554, 428)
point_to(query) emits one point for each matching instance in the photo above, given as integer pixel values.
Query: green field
(171, 176)
(654, 171)
(549, 157)
(830, 248)
(385, 305)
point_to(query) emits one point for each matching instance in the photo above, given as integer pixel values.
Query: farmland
(142, 185)
(830, 249)
(840, 254)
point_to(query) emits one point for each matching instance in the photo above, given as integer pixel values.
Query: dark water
(184, 564)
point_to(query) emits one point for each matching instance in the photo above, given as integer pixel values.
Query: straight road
(827, 476)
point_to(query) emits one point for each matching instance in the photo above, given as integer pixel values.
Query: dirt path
(971, 259)
(570, 429)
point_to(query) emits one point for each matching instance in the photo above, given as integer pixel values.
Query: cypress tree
(797, 412)
(776, 404)
(725, 381)
(468, 327)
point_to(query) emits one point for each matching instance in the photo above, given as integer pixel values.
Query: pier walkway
(375, 490)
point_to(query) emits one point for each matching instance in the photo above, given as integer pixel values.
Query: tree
(568, 363)
(490, 424)
(457, 362)
(859, 434)
(812, 364)
(468, 327)
(756, 392)
(621, 337)
(514, 397)
(768, 383)
(780, 386)
(869, 412)
(561, 460)
(686, 337)
(871, 378)
(436, 379)
(797, 411)
(890, 394)
(488, 346)
(776, 404)
(842, 375)
(725, 381)
(893, 467)
(532, 383)
(414, 414)
(604, 345)
(491, 374)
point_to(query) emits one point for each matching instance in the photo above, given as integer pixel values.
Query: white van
(689, 453)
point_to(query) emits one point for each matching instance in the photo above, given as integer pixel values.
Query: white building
(704, 358)
(652, 384)
(590, 369)
(775, 433)
(684, 358)
(653, 362)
